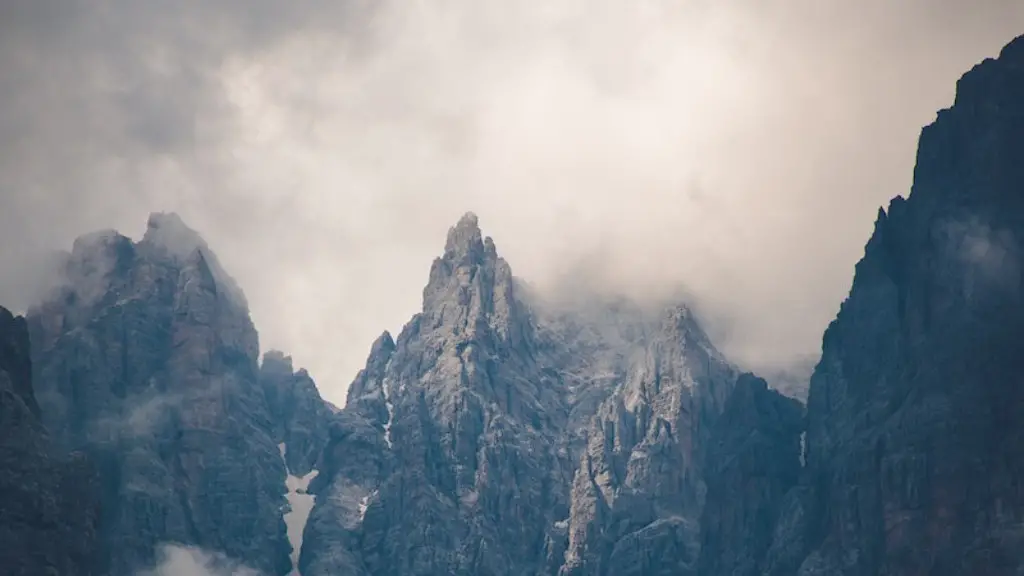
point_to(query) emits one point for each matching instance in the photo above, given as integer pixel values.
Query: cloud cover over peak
(739, 148)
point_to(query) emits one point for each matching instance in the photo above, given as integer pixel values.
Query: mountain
(498, 435)
(49, 505)
(146, 359)
(503, 433)
(444, 460)
(914, 430)
(638, 490)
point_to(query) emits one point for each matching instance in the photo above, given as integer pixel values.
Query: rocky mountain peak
(465, 240)
(471, 290)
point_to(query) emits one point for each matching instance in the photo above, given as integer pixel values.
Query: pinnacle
(465, 237)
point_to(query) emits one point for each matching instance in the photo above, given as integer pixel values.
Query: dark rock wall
(49, 505)
(753, 460)
(914, 443)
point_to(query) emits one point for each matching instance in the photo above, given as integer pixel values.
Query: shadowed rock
(753, 460)
(914, 412)
(49, 506)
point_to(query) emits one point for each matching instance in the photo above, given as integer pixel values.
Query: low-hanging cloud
(178, 560)
(737, 149)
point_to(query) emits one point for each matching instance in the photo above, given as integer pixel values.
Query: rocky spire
(471, 291)
(464, 239)
(450, 427)
(638, 491)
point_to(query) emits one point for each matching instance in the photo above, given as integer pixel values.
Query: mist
(178, 560)
(734, 150)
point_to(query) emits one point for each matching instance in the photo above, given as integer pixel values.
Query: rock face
(753, 460)
(301, 419)
(638, 490)
(457, 450)
(146, 359)
(914, 459)
(49, 506)
(444, 460)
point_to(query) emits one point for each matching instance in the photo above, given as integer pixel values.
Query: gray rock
(457, 450)
(49, 505)
(638, 491)
(445, 462)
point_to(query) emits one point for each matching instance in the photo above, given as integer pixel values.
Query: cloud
(177, 560)
(984, 259)
(738, 149)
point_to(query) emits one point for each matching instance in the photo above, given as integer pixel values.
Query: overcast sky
(738, 147)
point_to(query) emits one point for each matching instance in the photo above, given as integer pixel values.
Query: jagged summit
(466, 243)
(470, 283)
(465, 234)
(97, 258)
(384, 342)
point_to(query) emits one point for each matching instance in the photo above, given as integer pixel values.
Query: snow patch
(300, 504)
(386, 387)
(364, 504)
(803, 448)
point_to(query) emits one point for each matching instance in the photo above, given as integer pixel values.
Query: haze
(738, 149)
